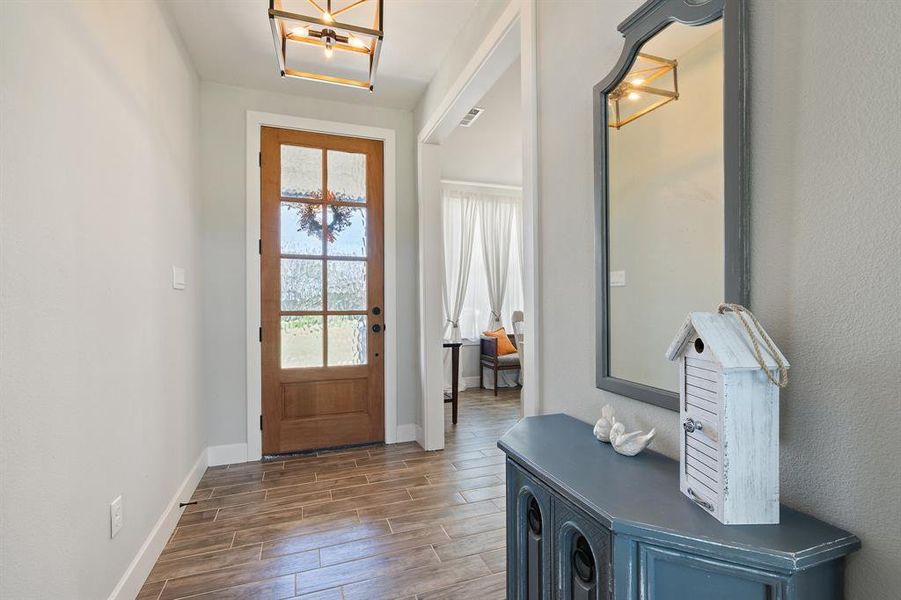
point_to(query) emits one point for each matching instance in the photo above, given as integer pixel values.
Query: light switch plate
(617, 278)
(115, 517)
(178, 278)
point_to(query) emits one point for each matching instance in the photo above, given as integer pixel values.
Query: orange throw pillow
(504, 345)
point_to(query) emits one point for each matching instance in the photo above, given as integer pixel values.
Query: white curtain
(467, 285)
(476, 309)
(496, 216)
(459, 231)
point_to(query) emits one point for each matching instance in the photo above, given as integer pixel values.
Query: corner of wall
(226, 454)
(139, 568)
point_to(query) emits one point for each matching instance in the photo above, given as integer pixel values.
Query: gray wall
(824, 249)
(100, 372)
(223, 125)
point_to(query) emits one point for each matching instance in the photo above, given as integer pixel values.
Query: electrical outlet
(115, 517)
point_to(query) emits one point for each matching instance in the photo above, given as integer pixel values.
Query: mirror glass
(666, 198)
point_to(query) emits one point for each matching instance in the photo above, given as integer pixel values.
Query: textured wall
(100, 371)
(824, 251)
(223, 156)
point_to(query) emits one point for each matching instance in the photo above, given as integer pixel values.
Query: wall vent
(469, 118)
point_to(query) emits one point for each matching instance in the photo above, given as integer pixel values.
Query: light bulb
(355, 41)
(329, 52)
(327, 17)
(637, 81)
(634, 96)
(300, 31)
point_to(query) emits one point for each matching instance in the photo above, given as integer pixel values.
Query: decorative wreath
(310, 216)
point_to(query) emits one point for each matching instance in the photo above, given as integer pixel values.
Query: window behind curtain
(476, 308)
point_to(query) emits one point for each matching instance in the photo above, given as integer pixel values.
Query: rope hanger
(740, 312)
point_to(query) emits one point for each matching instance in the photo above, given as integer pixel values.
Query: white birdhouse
(729, 409)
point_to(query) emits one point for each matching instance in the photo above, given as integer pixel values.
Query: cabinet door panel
(671, 575)
(529, 537)
(581, 556)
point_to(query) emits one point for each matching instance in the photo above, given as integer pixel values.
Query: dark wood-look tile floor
(379, 522)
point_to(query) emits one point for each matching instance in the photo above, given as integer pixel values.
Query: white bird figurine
(630, 444)
(605, 424)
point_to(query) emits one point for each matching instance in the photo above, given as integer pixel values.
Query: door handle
(376, 328)
(376, 310)
(699, 500)
(690, 425)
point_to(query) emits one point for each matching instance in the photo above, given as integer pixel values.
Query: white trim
(513, 34)
(472, 381)
(420, 439)
(451, 110)
(431, 321)
(531, 202)
(255, 120)
(406, 432)
(227, 454)
(139, 568)
(496, 186)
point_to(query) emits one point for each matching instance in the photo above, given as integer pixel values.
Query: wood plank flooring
(373, 523)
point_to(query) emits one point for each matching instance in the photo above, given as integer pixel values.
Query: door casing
(256, 120)
(513, 34)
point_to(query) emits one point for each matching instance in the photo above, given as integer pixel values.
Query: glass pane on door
(302, 341)
(347, 231)
(301, 284)
(346, 285)
(301, 228)
(301, 172)
(346, 176)
(347, 340)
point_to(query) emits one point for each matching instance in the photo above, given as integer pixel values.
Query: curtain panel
(494, 287)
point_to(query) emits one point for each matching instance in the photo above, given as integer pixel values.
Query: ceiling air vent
(469, 118)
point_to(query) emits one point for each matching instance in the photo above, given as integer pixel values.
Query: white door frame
(514, 34)
(256, 120)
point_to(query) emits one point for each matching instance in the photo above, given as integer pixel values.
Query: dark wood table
(455, 376)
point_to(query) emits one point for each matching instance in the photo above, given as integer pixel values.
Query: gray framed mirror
(671, 162)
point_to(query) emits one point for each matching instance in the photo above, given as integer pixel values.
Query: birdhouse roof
(726, 338)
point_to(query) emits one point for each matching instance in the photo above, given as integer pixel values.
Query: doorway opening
(482, 290)
(477, 214)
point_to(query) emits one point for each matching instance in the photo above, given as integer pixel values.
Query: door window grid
(327, 217)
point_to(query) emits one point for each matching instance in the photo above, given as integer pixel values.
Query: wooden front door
(322, 290)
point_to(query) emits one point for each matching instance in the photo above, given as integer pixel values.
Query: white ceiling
(230, 41)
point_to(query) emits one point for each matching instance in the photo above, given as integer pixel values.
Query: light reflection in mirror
(666, 193)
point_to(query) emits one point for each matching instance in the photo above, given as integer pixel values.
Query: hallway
(367, 523)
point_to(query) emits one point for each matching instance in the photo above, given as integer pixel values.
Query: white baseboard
(226, 455)
(407, 433)
(136, 573)
(471, 382)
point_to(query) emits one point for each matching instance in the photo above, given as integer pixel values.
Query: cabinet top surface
(640, 496)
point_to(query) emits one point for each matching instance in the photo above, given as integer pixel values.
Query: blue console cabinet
(584, 523)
